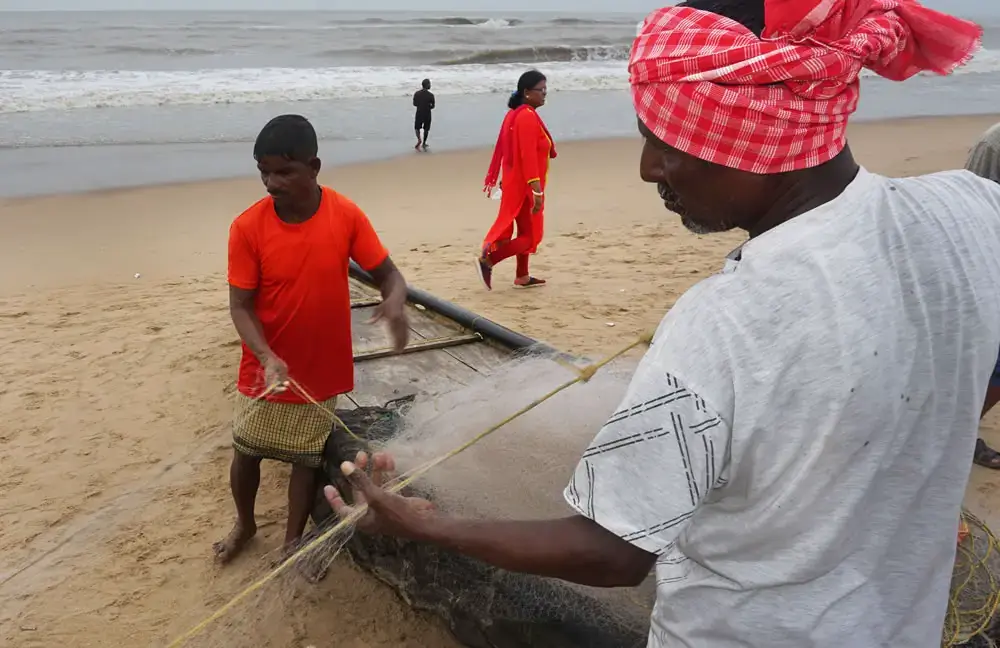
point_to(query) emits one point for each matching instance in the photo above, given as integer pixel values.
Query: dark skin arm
(241, 309)
(392, 310)
(574, 549)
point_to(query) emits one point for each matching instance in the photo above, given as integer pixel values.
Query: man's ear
(315, 164)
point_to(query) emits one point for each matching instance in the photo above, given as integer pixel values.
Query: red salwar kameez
(522, 153)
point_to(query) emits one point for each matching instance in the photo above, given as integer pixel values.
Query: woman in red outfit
(523, 150)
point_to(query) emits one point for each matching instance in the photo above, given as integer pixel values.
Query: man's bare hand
(275, 373)
(387, 513)
(393, 313)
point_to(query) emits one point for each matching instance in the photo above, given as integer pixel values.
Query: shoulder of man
(966, 195)
(697, 342)
(252, 214)
(978, 186)
(340, 205)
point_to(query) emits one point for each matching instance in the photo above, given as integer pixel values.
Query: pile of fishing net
(518, 473)
(975, 588)
(483, 606)
(490, 608)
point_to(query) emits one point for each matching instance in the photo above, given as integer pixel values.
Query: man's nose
(651, 164)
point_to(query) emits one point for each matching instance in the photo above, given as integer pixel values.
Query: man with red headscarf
(792, 452)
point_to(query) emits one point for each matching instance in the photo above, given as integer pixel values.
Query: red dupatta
(503, 150)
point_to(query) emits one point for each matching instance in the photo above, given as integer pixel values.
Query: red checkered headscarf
(707, 85)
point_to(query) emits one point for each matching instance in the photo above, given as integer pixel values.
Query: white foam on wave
(25, 91)
(494, 23)
(38, 90)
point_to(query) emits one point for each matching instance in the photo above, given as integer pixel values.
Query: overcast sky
(970, 7)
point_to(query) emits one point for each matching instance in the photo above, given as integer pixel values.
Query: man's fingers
(377, 315)
(401, 333)
(337, 502)
(384, 462)
(383, 467)
(360, 482)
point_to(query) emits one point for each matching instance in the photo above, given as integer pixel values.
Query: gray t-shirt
(796, 443)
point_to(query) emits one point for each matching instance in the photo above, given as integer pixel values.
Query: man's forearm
(393, 287)
(574, 549)
(251, 332)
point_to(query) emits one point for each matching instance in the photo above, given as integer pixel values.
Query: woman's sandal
(532, 282)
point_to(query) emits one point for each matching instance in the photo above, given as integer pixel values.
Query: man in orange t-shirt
(290, 302)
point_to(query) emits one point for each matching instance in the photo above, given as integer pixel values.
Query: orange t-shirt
(300, 273)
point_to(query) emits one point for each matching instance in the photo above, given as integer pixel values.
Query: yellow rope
(583, 376)
(324, 409)
(962, 623)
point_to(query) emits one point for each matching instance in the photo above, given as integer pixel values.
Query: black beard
(673, 203)
(670, 199)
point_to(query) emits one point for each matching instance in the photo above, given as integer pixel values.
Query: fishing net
(975, 588)
(517, 473)
(509, 475)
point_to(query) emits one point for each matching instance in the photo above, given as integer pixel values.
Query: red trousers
(517, 247)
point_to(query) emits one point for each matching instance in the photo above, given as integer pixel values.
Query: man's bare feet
(231, 546)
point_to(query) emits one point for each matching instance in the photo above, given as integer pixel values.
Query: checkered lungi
(289, 432)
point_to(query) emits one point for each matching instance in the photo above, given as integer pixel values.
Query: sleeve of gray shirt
(658, 457)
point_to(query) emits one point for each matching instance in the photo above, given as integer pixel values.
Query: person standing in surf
(522, 153)
(423, 101)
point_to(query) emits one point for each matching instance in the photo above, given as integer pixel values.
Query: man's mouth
(670, 198)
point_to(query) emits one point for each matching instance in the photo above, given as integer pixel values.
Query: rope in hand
(583, 375)
(333, 417)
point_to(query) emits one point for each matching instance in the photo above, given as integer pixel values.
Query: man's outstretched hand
(572, 548)
(387, 513)
(392, 310)
(393, 313)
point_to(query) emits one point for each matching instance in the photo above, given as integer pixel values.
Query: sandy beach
(119, 360)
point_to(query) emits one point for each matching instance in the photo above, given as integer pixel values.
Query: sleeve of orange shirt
(244, 265)
(527, 130)
(366, 248)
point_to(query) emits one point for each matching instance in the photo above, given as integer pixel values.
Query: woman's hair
(528, 80)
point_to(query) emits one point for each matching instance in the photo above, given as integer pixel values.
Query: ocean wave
(373, 56)
(985, 61)
(375, 23)
(461, 21)
(152, 138)
(38, 90)
(157, 51)
(580, 21)
(545, 53)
